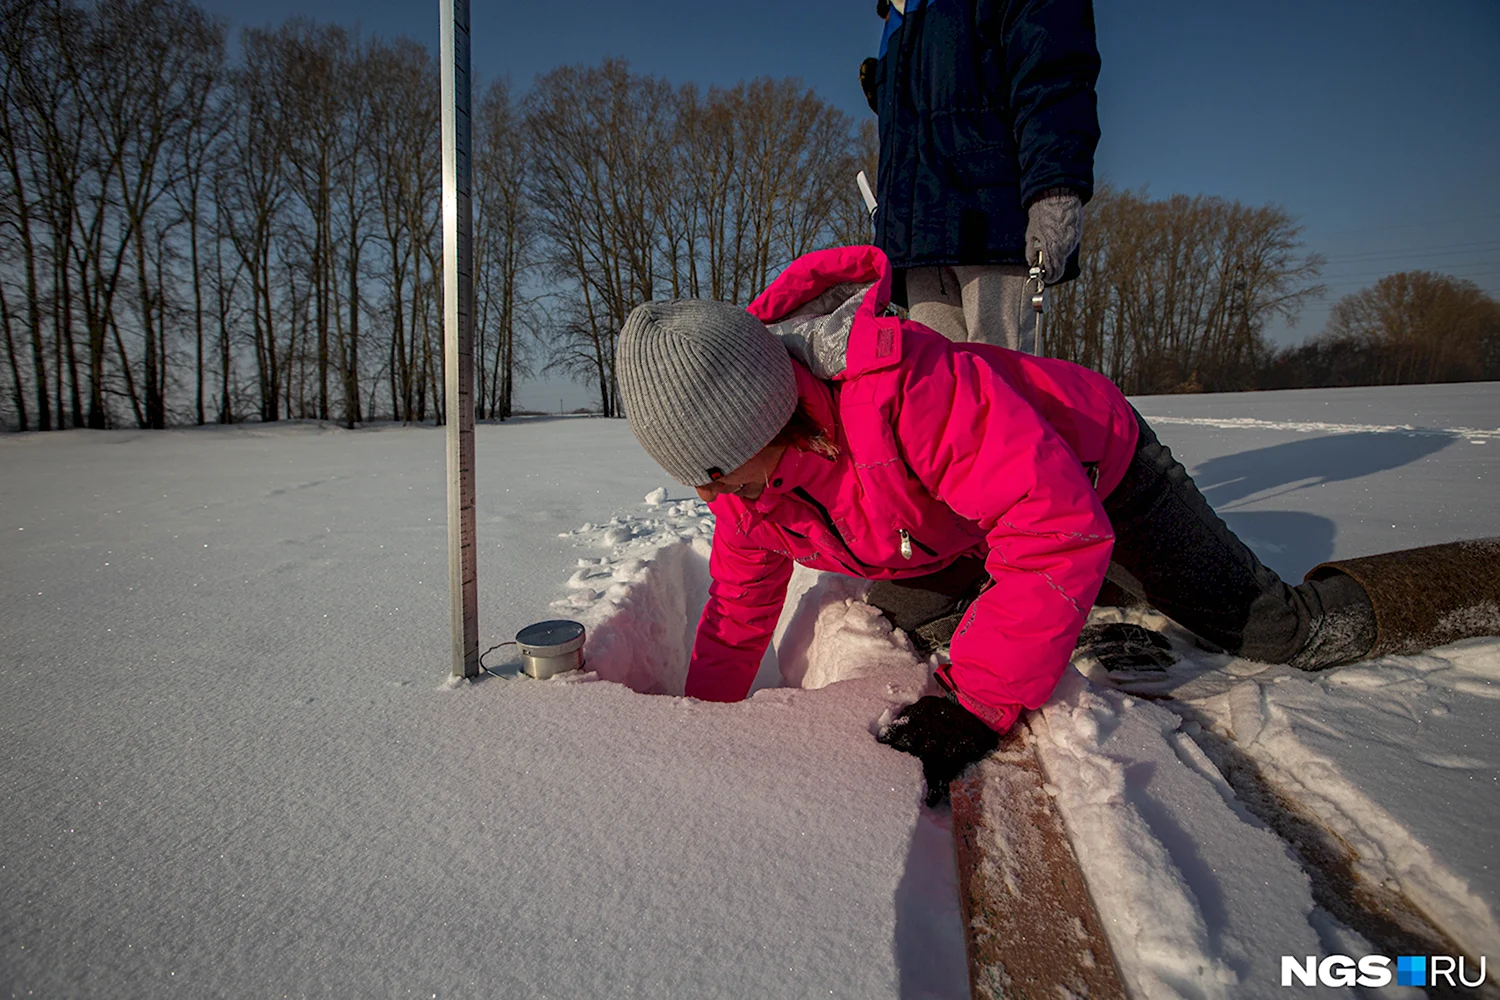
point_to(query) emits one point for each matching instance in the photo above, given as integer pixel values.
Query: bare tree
(396, 76)
(1418, 326)
(849, 222)
(225, 286)
(798, 162)
(152, 53)
(504, 242)
(193, 157)
(354, 186)
(594, 135)
(307, 69)
(23, 34)
(1175, 294)
(19, 390)
(252, 194)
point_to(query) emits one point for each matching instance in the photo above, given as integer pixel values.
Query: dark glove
(1121, 646)
(867, 81)
(1054, 228)
(945, 736)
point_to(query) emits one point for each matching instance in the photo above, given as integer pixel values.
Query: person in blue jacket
(988, 124)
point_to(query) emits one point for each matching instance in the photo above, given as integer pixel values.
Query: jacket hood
(812, 306)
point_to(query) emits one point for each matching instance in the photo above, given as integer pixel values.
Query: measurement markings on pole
(458, 335)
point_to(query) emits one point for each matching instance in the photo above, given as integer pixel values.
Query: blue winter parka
(984, 105)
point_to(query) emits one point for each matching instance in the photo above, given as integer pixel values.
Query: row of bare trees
(186, 239)
(1415, 326)
(1176, 293)
(642, 190)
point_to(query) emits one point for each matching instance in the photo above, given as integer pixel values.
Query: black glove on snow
(1121, 646)
(945, 736)
(867, 81)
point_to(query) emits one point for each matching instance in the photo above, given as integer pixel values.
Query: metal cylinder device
(550, 648)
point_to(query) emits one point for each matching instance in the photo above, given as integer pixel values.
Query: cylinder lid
(550, 638)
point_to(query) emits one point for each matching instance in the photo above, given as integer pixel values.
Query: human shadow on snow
(1309, 462)
(1292, 542)
(931, 963)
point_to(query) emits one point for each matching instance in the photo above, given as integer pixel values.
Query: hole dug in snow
(641, 604)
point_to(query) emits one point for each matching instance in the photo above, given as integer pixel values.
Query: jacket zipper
(907, 542)
(833, 528)
(827, 518)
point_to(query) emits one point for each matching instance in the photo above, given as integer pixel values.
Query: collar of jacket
(812, 274)
(872, 340)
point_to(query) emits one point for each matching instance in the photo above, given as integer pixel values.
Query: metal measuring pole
(458, 335)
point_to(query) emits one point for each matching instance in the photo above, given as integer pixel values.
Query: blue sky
(1375, 123)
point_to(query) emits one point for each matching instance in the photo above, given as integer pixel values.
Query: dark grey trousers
(1175, 554)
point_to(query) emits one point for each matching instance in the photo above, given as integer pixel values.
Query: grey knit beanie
(705, 385)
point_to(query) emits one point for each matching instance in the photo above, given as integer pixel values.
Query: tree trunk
(68, 345)
(34, 319)
(226, 408)
(352, 413)
(153, 391)
(322, 281)
(57, 369)
(135, 399)
(197, 310)
(15, 367)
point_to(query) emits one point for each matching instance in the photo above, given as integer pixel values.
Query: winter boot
(1424, 597)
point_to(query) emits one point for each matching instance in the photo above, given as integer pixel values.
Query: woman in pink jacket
(982, 487)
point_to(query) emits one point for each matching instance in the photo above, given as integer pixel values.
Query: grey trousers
(1175, 554)
(988, 304)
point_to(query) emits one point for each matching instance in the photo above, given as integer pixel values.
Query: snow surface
(234, 767)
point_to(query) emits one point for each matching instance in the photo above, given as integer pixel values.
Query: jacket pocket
(972, 148)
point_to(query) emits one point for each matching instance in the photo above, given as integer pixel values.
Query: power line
(1437, 251)
(1402, 269)
(1356, 284)
(1411, 225)
(1461, 271)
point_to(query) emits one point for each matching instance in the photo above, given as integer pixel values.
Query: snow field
(1195, 893)
(233, 768)
(1200, 897)
(1390, 757)
(237, 770)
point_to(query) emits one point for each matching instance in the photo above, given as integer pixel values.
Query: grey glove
(1054, 226)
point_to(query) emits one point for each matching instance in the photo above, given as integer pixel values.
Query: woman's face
(749, 480)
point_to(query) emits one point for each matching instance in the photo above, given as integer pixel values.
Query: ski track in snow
(1198, 895)
(1306, 732)
(1473, 435)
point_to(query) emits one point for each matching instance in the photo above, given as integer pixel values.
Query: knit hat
(705, 385)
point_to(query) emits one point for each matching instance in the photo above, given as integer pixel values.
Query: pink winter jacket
(943, 450)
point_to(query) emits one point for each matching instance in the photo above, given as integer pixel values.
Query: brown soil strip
(1032, 928)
